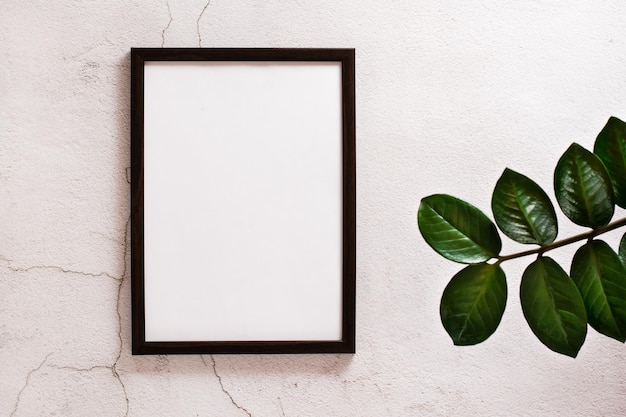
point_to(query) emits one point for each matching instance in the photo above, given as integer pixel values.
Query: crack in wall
(219, 379)
(119, 318)
(128, 168)
(116, 375)
(27, 383)
(198, 23)
(169, 12)
(76, 369)
(55, 268)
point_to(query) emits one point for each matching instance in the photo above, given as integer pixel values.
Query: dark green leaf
(610, 146)
(583, 188)
(522, 210)
(553, 307)
(601, 280)
(457, 230)
(622, 250)
(473, 303)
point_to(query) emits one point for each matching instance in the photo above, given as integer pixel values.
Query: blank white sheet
(242, 201)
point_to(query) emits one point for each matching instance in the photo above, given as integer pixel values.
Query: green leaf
(553, 307)
(522, 210)
(601, 279)
(622, 250)
(473, 303)
(610, 146)
(583, 188)
(457, 230)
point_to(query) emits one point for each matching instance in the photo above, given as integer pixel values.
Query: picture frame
(243, 200)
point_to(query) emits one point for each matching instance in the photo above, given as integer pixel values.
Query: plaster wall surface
(448, 95)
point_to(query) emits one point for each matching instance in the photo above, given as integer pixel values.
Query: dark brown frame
(347, 58)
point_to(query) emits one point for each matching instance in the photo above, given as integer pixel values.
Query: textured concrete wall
(448, 94)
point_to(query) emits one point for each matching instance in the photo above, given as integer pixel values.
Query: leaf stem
(587, 235)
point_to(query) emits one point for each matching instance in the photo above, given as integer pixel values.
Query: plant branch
(587, 235)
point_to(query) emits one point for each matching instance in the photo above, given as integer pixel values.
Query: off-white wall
(448, 94)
